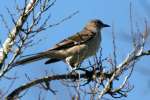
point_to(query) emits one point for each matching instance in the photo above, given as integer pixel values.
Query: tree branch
(73, 76)
(15, 31)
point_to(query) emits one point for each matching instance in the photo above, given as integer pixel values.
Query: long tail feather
(33, 58)
(52, 60)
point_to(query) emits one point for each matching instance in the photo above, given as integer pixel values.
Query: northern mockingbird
(72, 50)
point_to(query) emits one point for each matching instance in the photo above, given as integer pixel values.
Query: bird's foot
(76, 73)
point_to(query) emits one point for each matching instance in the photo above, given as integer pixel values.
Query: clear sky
(109, 11)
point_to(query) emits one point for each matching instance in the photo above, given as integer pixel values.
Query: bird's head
(96, 24)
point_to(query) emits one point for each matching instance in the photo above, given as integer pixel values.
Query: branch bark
(15, 31)
(73, 76)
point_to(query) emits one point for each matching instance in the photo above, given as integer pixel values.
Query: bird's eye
(99, 22)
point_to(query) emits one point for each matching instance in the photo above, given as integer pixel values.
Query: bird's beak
(105, 25)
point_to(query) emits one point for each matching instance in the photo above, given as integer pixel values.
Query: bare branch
(17, 91)
(114, 46)
(15, 31)
(5, 23)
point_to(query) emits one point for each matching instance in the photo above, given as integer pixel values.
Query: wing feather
(78, 38)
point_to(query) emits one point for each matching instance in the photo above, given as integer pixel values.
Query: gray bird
(74, 49)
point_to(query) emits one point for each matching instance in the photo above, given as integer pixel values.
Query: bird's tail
(30, 59)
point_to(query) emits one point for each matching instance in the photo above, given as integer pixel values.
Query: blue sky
(109, 11)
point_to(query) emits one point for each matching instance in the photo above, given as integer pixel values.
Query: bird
(74, 49)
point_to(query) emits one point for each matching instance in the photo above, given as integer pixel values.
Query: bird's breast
(93, 45)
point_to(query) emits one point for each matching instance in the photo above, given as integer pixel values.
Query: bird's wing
(76, 39)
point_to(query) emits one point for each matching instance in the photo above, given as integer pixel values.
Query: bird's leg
(73, 70)
(70, 68)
